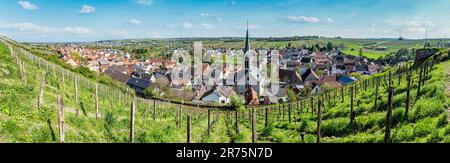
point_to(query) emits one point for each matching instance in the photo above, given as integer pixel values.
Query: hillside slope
(22, 121)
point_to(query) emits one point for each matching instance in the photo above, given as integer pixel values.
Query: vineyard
(43, 102)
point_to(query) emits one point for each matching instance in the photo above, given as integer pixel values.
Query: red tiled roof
(252, 97)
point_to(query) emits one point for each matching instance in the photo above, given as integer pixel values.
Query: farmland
(351, 46)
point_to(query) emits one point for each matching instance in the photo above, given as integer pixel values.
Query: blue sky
(89, 20)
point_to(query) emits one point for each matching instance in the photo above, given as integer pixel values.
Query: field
(351, 46)
(22, 121)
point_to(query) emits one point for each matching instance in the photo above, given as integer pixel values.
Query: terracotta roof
(252, 97)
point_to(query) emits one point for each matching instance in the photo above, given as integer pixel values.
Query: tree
(329, 46)
(151, 91)
(360, 53)
(291, 95)
(236, 102)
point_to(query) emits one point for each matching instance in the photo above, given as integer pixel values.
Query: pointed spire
(247, 41)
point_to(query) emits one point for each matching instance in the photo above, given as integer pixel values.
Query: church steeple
(247, 59)
(247, 42)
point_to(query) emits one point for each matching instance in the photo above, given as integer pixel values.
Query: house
(218, 94)
(309, 76)
(345, 80)
(180, 83)
(315, 89)
(117, 73)
(138, 85)
(290, 77)
(117, 68)
(373, 68)
(162, 63)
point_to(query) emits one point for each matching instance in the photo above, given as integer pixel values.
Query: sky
(92, 20)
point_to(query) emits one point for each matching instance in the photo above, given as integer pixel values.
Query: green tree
(360, 53)
(291, 95)
(151, 91)
(329, 46)
(237, 102)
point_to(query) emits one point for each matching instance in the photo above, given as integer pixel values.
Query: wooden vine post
(188, 128)
(387, 135)
(41, 91)
(62, 78)
(76, 89)
(408, 91)
(180, 116)
(61, 119)
(254, 125)
(132, 119)
(419, 82)
(266, 116)
(236, 119)
(376, 91)
(96, 102)
(319, 120)
(289, 113)
(342, 94)
(209, 122)
(154, 110)
(352, 111)
(312, 106)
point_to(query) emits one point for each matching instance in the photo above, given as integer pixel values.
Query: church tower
(247, 59)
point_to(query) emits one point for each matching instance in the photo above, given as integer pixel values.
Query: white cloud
(301, 19)
(86, 9)
(215, 16)
(27, 27)
(27, 5)
(135, 22)
(250, 26)
(207, 26)
(38, 29)
(78, 30)
(412, 26)
(145, 2)
(187, 25)
(329, 20)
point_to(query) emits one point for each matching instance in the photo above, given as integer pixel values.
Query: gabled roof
(292, 76)
(139, 83)
(219, 91)
(117, 76)
(308, 73)
(116, 68)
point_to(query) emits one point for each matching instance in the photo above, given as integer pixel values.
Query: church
(250, 80)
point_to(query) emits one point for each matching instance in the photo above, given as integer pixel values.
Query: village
(301, 72)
